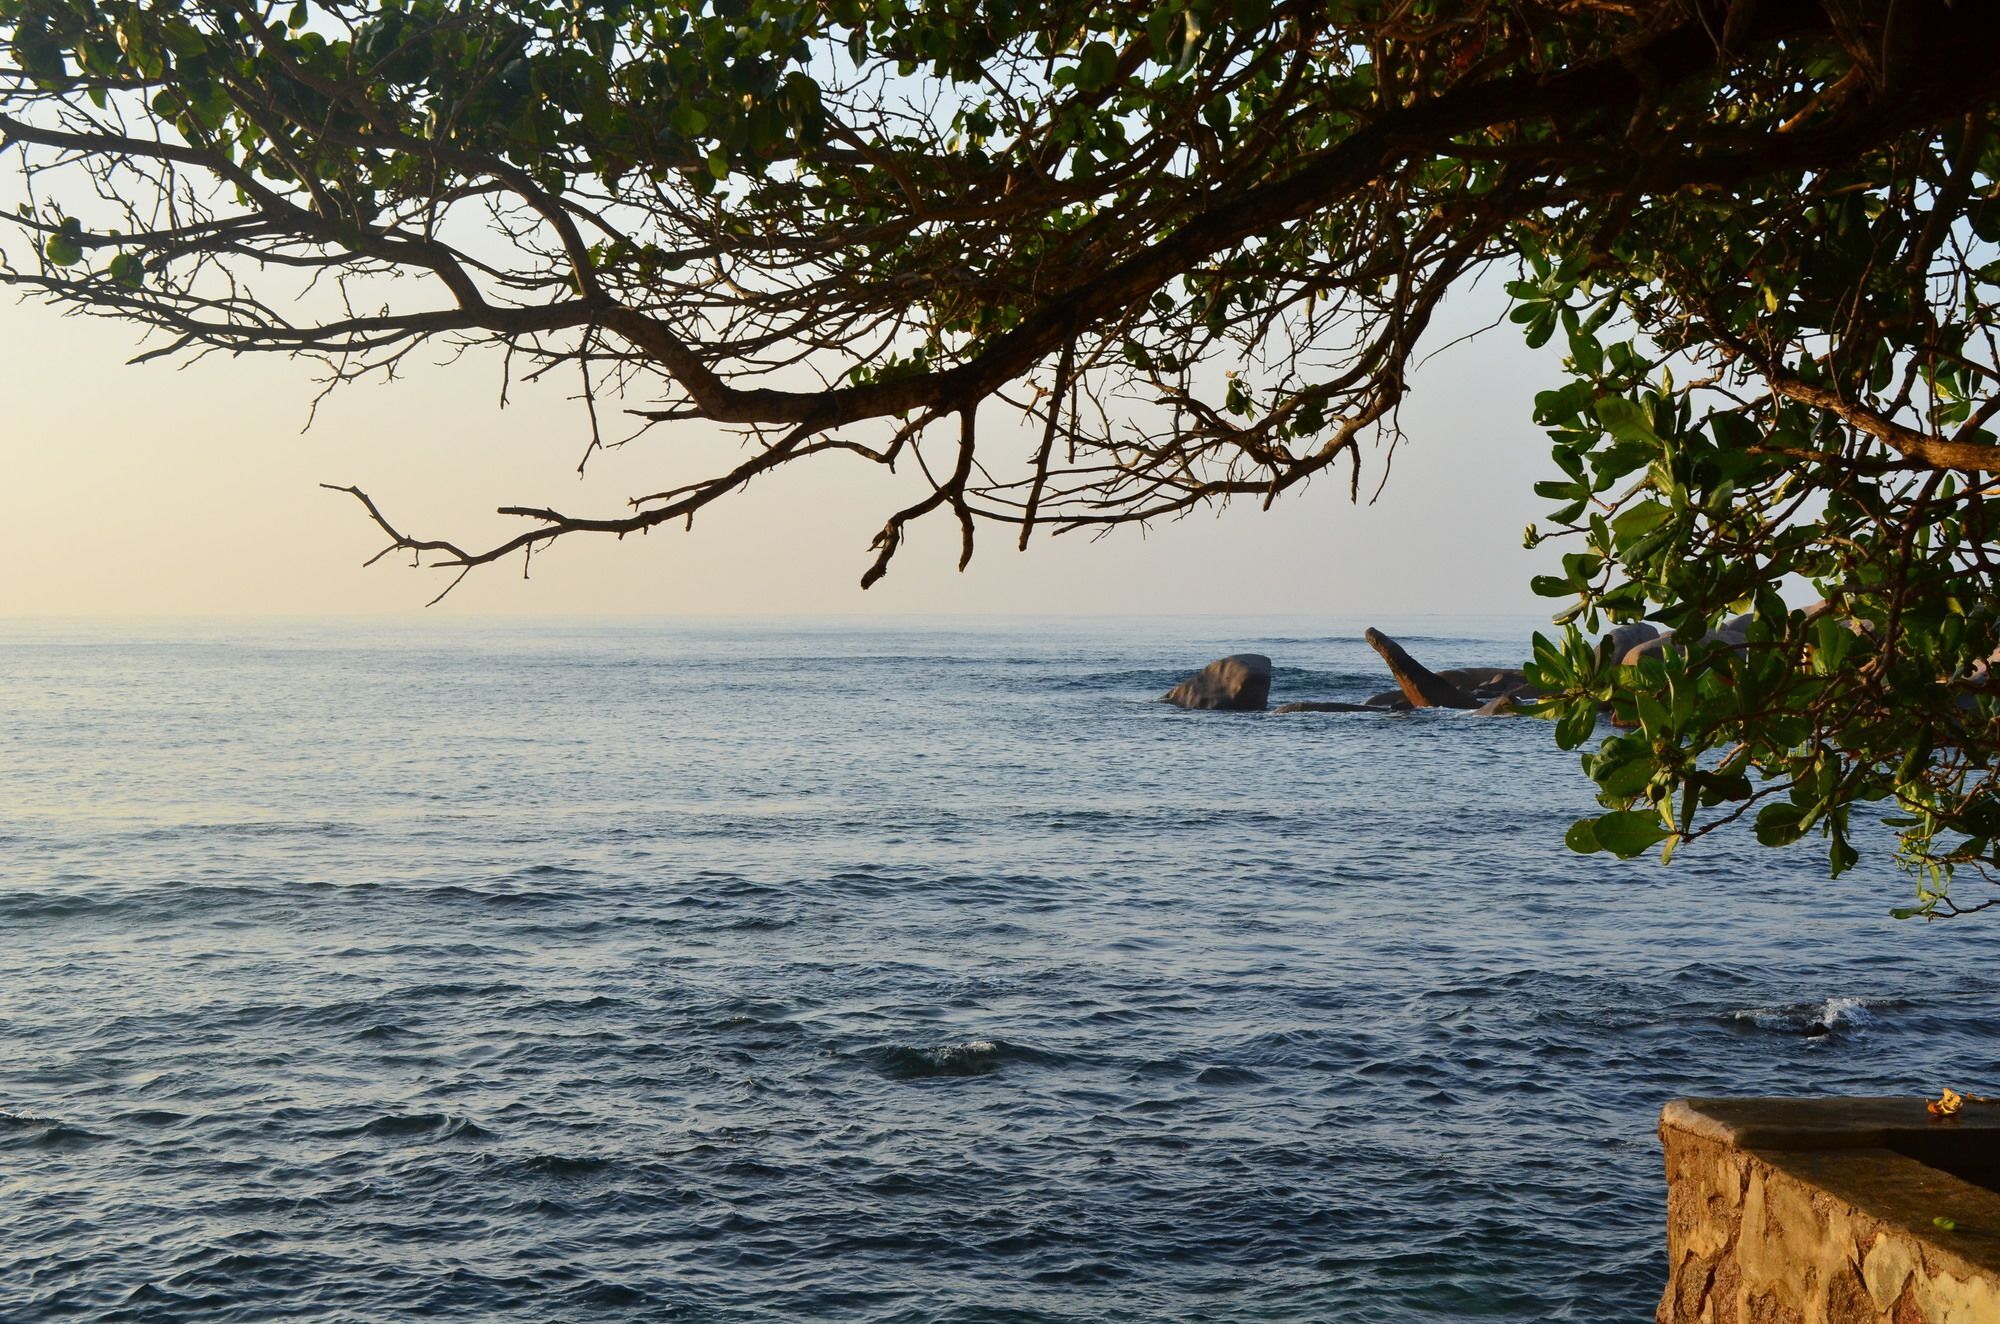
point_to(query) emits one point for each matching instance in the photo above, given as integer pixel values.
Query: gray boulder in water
(1625, 638)
(1733, 632)
(1485, 682)
(1240, 682)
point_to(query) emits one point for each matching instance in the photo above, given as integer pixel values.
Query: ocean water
(920, 971)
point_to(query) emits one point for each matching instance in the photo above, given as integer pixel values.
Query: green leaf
(1627, 778)
(1096, 66)
(688, 120)
(1249, 15)
(1626, 420)
(1628, 832)
(1576, 724)
(1582, 837)
(1581, 567)
(1780, 823)
(1734, 431)
(62, 249)
(1635, 522)
(184, 39)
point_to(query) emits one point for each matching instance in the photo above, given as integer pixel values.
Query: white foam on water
(1800, 1016)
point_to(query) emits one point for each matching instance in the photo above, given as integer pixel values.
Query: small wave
(1083, 1273)
(564, 1165)
(250, 829)
(426, 1126)
(22, 1121)
(759, 923)
(50, 905)
(1812, 1019)
(384, 1033)
(1149, 819)
(973, 1057)
(1157, 680)
(550, 870)
(605, 1294)
(450, 892)
(23, 1131)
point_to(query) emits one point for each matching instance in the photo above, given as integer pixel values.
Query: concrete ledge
(1826, 1211)
(1858, 1123)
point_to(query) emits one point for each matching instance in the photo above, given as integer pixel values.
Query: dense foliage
(1089, 263)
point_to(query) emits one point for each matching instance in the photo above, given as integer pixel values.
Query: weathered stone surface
(1639, 652)
(1626, 638)
(1240, 682)
(1887, 1269)
(1813, 1211)
(1421, 686)
(1316, 706)
(1730, 633)
(1473, 680)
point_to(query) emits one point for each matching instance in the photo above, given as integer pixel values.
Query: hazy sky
(156, 489)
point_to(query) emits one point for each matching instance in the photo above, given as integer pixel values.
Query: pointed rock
(1423, 688)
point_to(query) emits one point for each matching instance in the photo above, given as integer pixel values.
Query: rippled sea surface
(910, 972)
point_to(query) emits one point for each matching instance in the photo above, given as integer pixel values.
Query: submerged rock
(1240, 682)
(1313, 706)
(1504, 705)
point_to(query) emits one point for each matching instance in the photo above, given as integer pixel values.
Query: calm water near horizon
(845, 970)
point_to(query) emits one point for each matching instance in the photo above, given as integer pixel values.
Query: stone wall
(1778, 1213)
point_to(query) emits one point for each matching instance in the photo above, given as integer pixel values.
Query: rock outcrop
(1477, 681)
(1240, 682)
(1421, 686)
(1485, 691)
